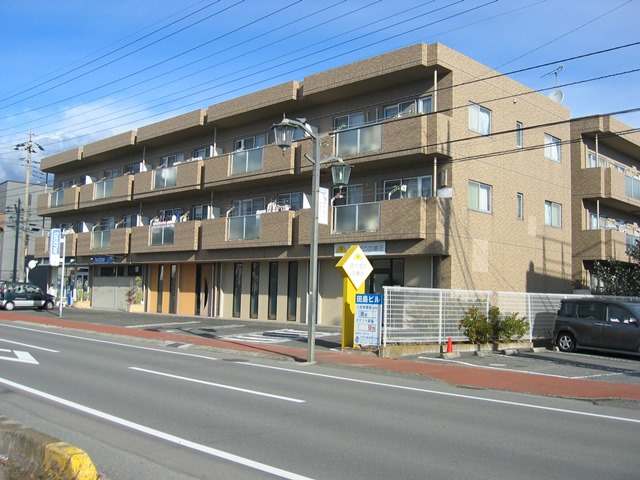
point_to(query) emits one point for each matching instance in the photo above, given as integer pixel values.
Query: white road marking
(161, 324)
(27, 345)
(157, 433)
(446, 394)
(219, 385)
(22, 357)
(95, 340)
(467, 364)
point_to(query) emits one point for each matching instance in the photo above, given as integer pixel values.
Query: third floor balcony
(108, 191)
(617, 187)
(168, 180)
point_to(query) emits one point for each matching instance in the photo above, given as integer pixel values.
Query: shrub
(482, 328)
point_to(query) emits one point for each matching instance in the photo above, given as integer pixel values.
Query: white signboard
(55, 237)
(357, 267)
(323, 206)
(369, 248)
(368, 319)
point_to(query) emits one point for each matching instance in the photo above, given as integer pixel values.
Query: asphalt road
(143, 410)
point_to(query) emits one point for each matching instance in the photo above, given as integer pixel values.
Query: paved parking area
(580, 365)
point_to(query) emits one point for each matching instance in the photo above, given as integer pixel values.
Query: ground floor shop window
(255, 290)
(292, 292)
(237, 289)
(386, 272)
(160, 288)
(273, 291)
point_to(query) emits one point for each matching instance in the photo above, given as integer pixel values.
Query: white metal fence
(428, 315)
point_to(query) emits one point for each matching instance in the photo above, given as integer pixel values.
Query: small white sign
(357, 267)
(323, 206)
(369, 248)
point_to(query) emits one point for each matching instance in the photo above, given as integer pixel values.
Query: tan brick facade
(457, 224)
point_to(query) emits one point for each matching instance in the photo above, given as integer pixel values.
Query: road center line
(27, 345)
(446, 394)
(228, 387)
(157, 433)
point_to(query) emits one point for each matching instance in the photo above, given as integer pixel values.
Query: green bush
(482, 328)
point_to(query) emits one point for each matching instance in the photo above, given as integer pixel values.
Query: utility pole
(30, 147)
(17, 234)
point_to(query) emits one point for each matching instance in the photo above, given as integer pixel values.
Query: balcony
(401, 219)
(110, 191)
(58, 201)
(274, 229)
(104, 242)
(41, 249)
(616, 188)
(601, 245)
(165, 237)
(179, 178)
(242, 166)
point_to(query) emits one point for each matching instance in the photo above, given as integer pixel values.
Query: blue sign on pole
(368, 319)
(55, 237)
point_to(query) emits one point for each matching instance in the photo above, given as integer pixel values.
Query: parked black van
(598, 324)
(25, 295)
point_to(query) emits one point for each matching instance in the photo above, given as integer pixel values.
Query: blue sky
(76, 71)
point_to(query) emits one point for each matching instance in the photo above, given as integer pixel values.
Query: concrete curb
(69, 462)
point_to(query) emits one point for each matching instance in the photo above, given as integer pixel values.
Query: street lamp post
(284, 132)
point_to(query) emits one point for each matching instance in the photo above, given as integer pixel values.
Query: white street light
(284, 132)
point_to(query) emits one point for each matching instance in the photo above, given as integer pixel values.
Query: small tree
(618, 278)
(135, 294)
(482, 328)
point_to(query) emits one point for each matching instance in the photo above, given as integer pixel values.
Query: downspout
(435, 90)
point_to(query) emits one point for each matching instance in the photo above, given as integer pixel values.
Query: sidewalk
(455, 375)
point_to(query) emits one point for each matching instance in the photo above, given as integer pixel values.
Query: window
(347, 195)
(204, 152)
(200, 212)
(479, 197)
(172, 160)
(255, 290)
(160, 288)
(103, 189)
(552, 214)
(66, 184)
(134, 220)
(359, 140)
(594, 162)
(519, 135)
(551, 147)
(111, 173)
(400, 109)
(519, 206)
(413, 187)
(57, 198)
(479, 119)
(247, 207)
(292, 292)
(132, 169)
(272, 308)
(295, 201)
(348, 121)
(237, 289)
(168, 215)
(245, 161)
(250, 142)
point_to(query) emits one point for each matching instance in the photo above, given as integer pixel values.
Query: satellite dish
(557, 96)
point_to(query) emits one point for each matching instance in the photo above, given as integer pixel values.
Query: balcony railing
(359, 140)
(104, 189)
(362, 217)
(162, 234)
(244, 228)
(247, 161)
(100, 239)
(165, 177)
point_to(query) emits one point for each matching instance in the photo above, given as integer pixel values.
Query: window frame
(519, 206)
(478, 198)
(552, 144)
(475, 112)
(519, 135)
(552, 209)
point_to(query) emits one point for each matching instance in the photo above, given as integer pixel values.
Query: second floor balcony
(615, 186)
(59, 201)
(265, 230)
(41, 249)
(165, 237)
(168, 180)
(602, 244)
(104, 242)
(108, 191)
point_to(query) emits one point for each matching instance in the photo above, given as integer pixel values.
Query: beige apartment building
(605, 159)
(461, 179)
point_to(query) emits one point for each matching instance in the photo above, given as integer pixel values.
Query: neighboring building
(461, 180)
(605, 159)
(13, 216)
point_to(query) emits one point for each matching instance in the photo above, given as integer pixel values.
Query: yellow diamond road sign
(356, 265)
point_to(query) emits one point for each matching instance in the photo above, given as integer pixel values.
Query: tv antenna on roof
(556, 95)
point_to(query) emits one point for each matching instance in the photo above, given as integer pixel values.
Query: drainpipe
(435, 90)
